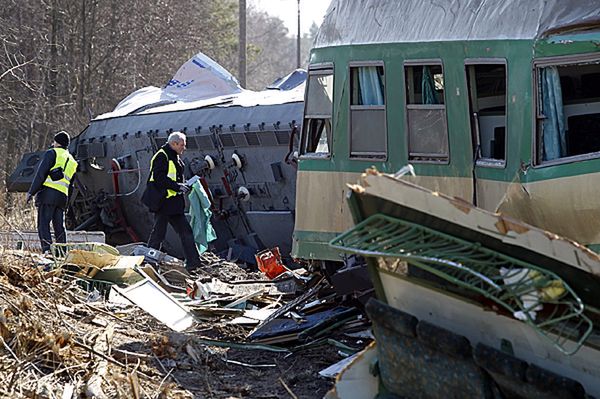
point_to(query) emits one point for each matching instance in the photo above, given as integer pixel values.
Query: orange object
(269, 262)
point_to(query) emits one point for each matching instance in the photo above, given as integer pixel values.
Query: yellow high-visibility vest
(68, 164)
(171, 173)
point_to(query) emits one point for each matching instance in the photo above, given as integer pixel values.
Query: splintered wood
(51, 345)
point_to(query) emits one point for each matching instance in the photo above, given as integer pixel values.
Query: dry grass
(19, 216)
(51, 339)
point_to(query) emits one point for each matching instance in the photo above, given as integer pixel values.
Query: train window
(568, 111)
(426, 113)
(316, 129)
(367, 111)
(487, 105)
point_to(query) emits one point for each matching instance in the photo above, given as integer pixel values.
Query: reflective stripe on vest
(69, 168)
(171, 173)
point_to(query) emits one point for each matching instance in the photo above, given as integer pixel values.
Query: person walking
(50, 187)
(168, 202)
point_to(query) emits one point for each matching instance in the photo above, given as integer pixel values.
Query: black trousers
(46, 214)
(182, 228)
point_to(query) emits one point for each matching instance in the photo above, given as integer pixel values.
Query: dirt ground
(53, 340)
(212, 377)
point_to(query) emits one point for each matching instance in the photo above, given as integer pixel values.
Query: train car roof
(387, 21)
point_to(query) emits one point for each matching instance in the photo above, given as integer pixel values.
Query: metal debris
(54, 342)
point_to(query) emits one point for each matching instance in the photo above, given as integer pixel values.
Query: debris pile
(95, 321)
(54, 342)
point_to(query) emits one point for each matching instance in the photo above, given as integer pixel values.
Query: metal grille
(205, 143)
(82, 151)
(267, 138)
(252, 138)
(227, 140)
(191, 143)
(239, 140)
(160, 141)
(541, 298)
(283, 137)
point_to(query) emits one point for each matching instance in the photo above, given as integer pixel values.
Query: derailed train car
(492, 102)
(241, 143)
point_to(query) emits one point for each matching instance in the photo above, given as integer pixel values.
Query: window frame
(407, 106)
(490, 162)
(323, 69)
(365, 155)
(536, 142)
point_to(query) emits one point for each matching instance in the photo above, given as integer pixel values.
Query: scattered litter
(93, 296)
(252, 316)
(248, 365)
(269, 262)
(333, 370)
(367, 334)
(149, 296)
(285, 330)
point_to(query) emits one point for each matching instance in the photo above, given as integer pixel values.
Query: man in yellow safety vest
(166, 174)
(50, 187)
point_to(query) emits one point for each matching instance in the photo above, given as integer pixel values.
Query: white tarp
(200, 78)
(200, 82)
(389, 21)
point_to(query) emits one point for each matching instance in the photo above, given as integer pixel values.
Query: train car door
(487, 82)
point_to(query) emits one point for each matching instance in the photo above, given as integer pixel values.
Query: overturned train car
(239, 142)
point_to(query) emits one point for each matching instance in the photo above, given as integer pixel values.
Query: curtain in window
(371, 85)
(553, 127)
(428, 87)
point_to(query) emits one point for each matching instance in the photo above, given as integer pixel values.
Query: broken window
(426, 112)
(568, 110)
(316, 129)
(487, 101)
(367, 111)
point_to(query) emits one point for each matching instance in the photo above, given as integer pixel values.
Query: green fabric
(200, 217)
(428, 87)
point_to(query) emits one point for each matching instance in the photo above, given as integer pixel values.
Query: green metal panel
(519, 287)
(568, 43)
(314, 245)
(520, 113)
(518, 54)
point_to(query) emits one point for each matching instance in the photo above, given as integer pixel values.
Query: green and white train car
(496, 102)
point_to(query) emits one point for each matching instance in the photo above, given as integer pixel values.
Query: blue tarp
(555, 141)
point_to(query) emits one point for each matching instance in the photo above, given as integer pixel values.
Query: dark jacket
(173, 205)
(46, 195)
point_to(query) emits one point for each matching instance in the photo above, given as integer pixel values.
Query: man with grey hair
(166, 177)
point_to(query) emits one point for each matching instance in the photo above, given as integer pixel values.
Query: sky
(287, 10)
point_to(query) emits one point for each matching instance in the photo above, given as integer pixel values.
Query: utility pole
(242, 44)
(298, 39)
